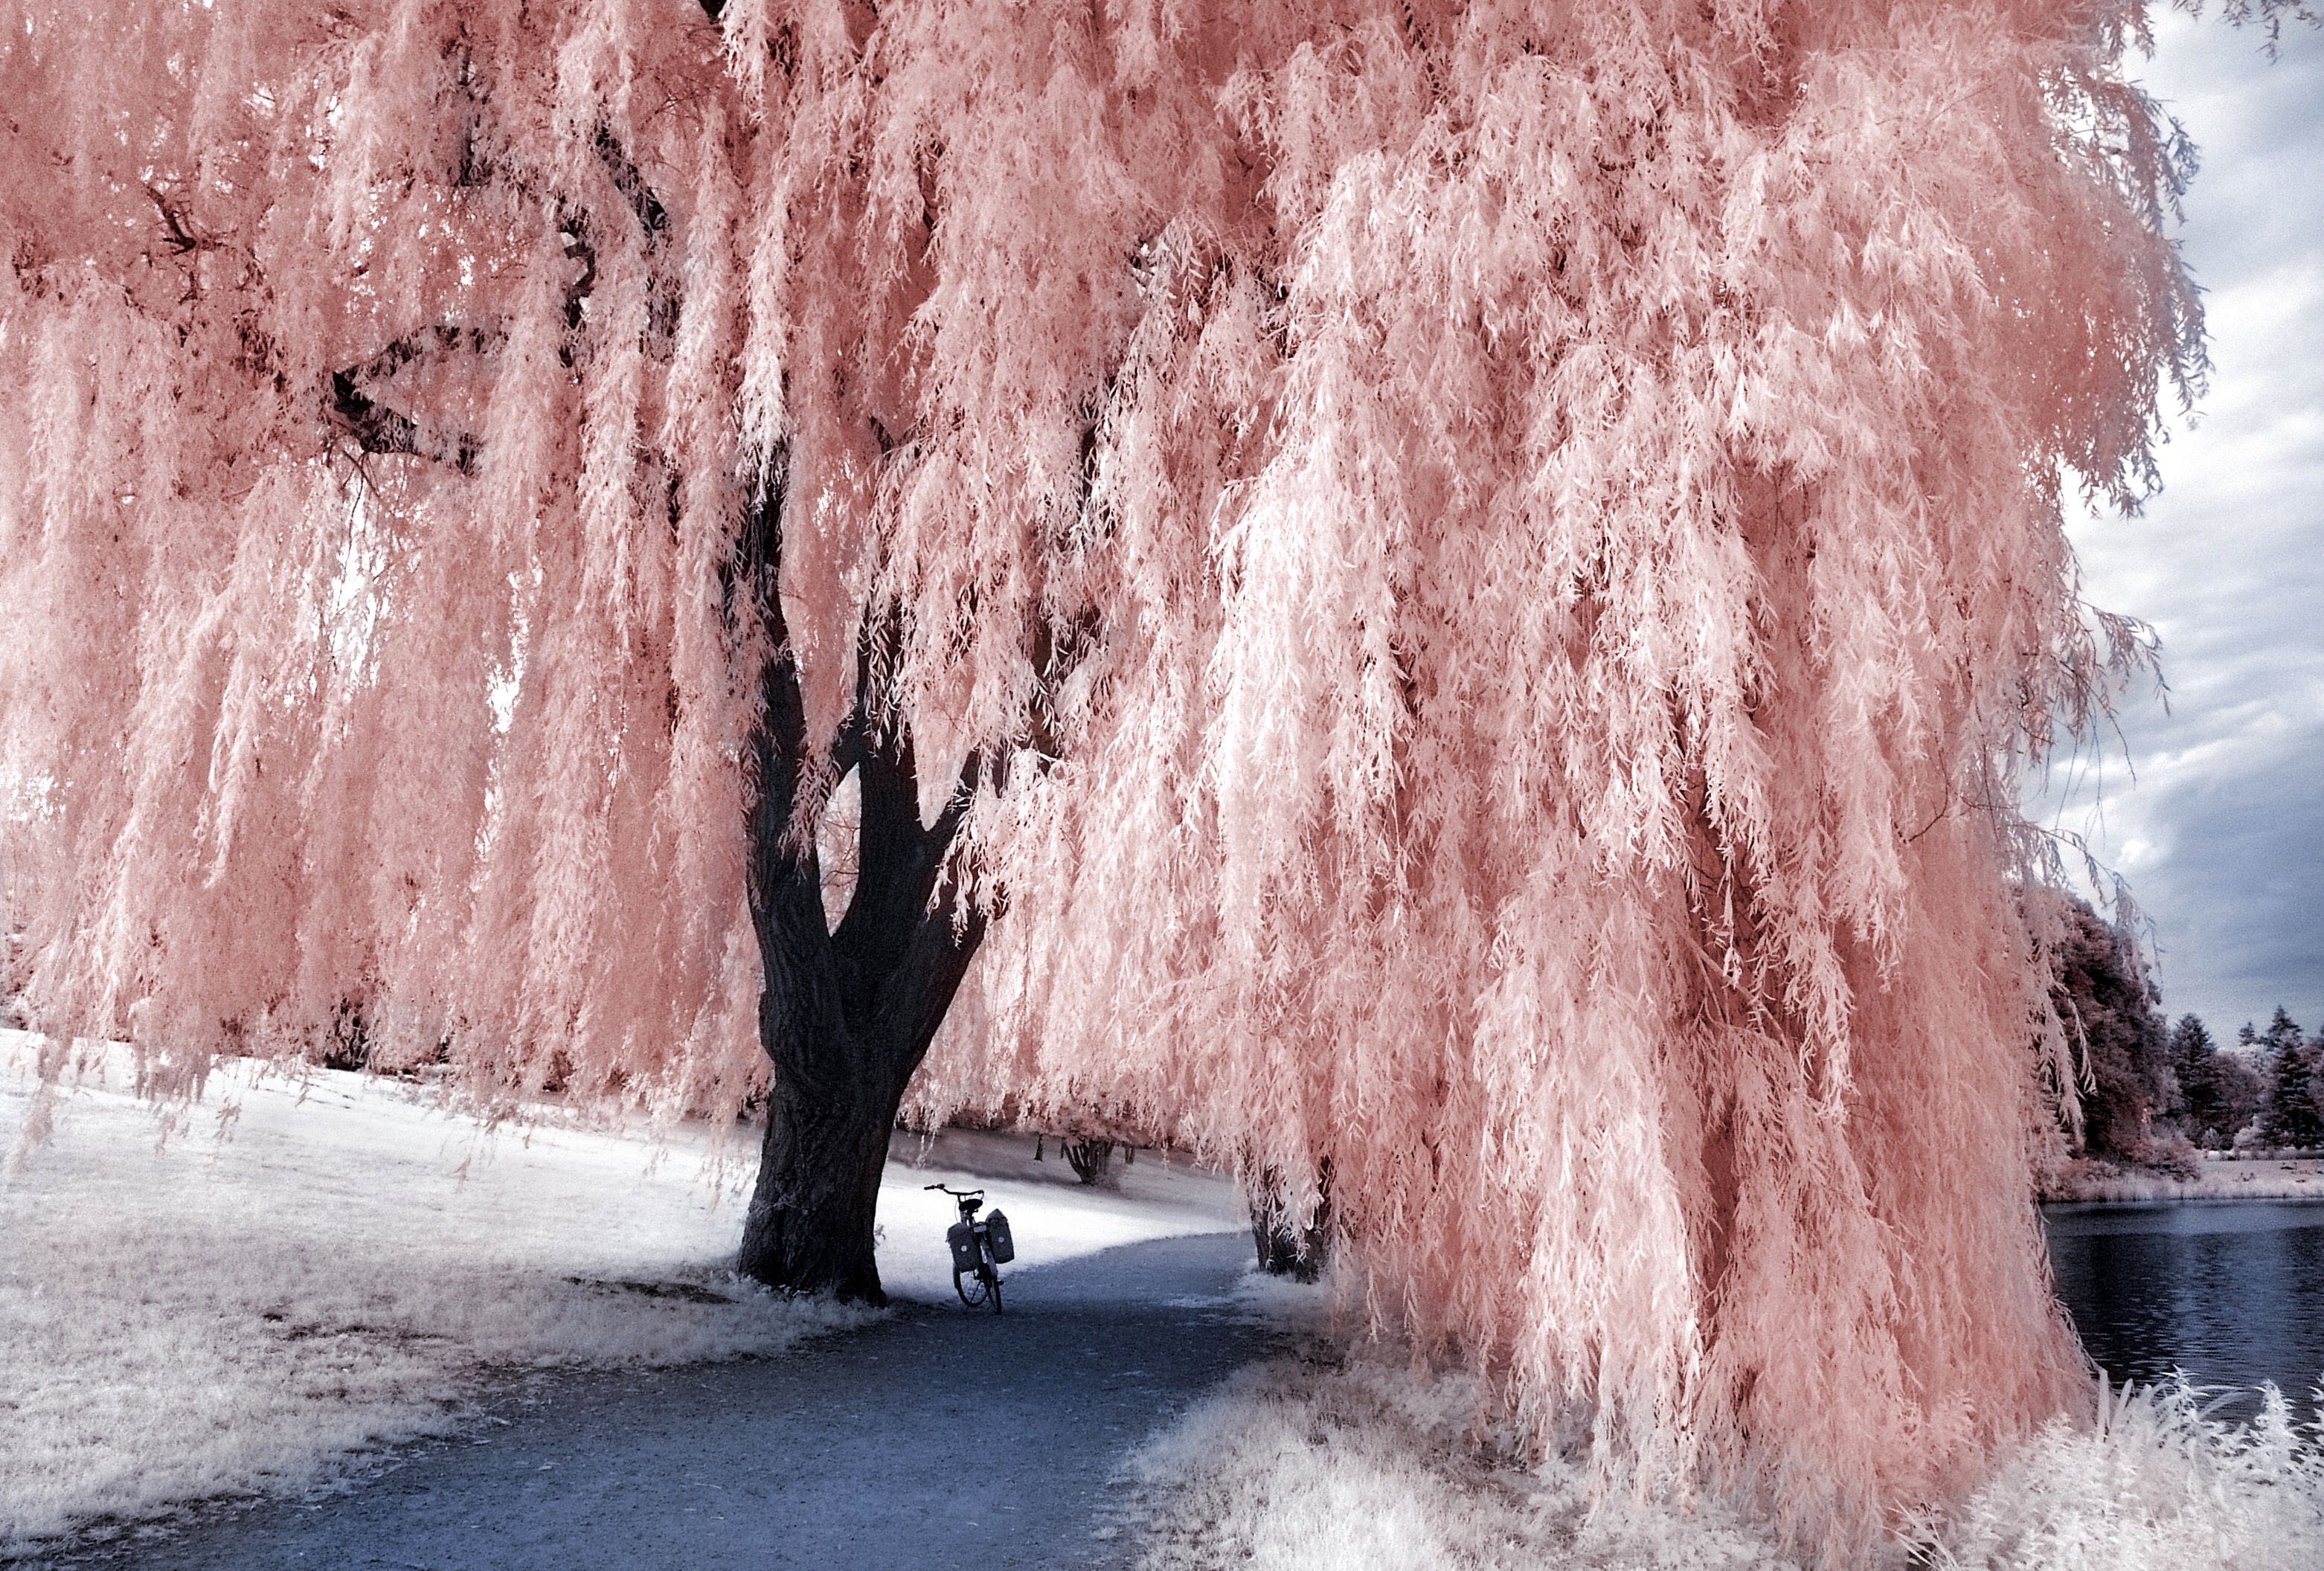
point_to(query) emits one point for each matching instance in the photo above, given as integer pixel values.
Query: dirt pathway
(939, 1438)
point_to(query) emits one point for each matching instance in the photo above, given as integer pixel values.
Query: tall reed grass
(1299, 1467)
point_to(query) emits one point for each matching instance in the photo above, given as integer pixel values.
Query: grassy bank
(2219, 1177)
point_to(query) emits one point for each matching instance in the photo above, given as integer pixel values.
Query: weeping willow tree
(1454, 594)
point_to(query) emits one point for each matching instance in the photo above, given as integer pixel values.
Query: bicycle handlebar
(957, 1194)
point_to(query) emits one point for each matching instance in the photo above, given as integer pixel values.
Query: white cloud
(2222, 832)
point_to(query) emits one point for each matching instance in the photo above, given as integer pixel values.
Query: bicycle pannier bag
(964, 1246)
(1004, 1248)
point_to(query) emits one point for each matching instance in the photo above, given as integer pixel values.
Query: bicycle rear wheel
(969, 1286)
(992, 1274)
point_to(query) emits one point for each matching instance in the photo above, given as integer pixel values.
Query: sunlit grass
(1307, 1466)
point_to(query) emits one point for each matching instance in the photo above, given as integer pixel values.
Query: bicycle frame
(979, 1246)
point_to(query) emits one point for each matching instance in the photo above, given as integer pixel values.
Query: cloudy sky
(2220, 835)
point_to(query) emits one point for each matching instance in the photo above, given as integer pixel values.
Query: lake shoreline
(2089, 1182)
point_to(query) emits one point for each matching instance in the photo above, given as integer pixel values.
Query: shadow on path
(938, 1438)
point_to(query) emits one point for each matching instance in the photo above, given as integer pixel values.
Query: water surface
(2232, 1291)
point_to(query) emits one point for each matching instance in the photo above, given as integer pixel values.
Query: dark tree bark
(1091, 1160)
(846, 1014)
(1286, 1248)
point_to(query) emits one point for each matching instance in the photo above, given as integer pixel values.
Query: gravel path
(939, 1438)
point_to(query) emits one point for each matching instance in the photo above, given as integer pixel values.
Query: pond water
(2232, 1291)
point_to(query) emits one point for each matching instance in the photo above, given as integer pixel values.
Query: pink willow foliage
(1564, 791)
(1512, 556)
(300, 723)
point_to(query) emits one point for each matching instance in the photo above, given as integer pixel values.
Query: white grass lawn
(248, 1313)
(1302, 1466)
(316, 1267)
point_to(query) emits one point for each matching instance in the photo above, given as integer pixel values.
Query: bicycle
(979, 1248)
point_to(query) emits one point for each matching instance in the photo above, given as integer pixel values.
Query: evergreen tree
(2218, 1090)
(2195, 1061)
(2316, 1070)
(2291, 1116)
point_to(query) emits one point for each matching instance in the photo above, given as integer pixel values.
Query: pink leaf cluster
(1507, 557)
(414, 691)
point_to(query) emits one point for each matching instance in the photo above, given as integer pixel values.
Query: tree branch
(378, 427)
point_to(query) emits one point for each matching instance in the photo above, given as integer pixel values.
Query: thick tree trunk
(1284, 1248)
(846, 1013)
(816, 1203)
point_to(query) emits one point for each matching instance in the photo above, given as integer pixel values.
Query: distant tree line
(2291, 1108)
(2148, 1092)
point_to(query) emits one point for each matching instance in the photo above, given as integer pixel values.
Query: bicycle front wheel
(970, 1287)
